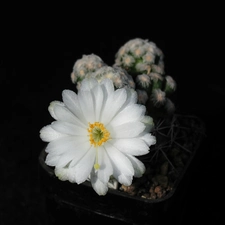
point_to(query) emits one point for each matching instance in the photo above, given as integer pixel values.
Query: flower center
(98, 134)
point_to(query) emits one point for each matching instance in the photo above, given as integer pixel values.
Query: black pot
(68, 202)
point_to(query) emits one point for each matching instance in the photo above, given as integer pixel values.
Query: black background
(38, 52)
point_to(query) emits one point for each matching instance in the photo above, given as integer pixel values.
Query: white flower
(97, 134)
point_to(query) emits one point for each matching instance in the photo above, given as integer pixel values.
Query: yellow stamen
(96, 166)
(98, 134)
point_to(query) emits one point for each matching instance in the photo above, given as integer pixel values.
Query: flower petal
(69, 128)
(70, 99)
(66, 152)
(132, 97)
(131, 113)
(79, 173)
(116, 99)
(133, 146)
(84, 166)
(64, 114)
(82, 149)
(73, 154)
(139, 167)
(127, 130)
(85, 99)
(106, 169)
(100, 187)
(64, 173)
(107, 86)
(99, 102)
(148, 138)
(121, 164)
(59, 146)
(52, 106)
(148, 121)
(48, 134)
(125, 179)
(52, 160)
(88, 84)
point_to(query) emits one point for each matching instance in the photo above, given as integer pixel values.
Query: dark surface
(34, 69)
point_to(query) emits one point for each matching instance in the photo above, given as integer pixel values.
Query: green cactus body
(144, 61)
(138, 55)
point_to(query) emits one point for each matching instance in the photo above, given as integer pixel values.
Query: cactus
(93, 66)
(137, 56)
(84, 67)
(144, 61)
(138, 65)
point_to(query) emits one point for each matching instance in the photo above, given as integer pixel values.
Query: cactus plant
(137, 56)
(93, 66)
(144, 61)
(138, 65)
(84, 67)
